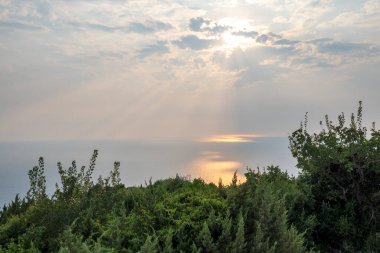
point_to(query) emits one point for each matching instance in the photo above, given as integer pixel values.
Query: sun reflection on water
(212, 166)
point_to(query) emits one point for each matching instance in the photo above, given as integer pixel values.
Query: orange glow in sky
(232, 138)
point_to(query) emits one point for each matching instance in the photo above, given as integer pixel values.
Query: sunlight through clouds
(138, 68)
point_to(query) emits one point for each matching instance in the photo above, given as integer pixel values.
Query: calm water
(140, 161)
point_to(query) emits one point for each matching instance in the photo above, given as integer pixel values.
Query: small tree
(37, 181)
(75, 183)
(205, 239)
(342, 166)
(238, 245)
(114, 177)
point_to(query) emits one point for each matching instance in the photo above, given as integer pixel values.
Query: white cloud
(372, 7)
(121, 69)
(305, 16)
(368, 16)
(280, 20)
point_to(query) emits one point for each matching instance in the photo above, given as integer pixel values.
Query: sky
(183, 70)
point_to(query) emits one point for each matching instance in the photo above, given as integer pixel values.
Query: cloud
(249, 64)
(148, 27)
(371, 7)
(274, 56)
(338, 47)
(280, 20)
(285, 42)
(20, 26)
(263, 38)
(248, 34)
(159, 47)
(100, 27)
(91, 45)
(197, 23)
(302, 17)
(268, 37)
(195, 43)
(200, 24)
(366, 16)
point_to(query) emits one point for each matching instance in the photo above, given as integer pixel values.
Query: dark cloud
(217, 29)
(196, 23)
(315, 3)
(263, 38)
(274, 35)
(158, 48)
(206, 25)
(333, 47)
(248, 34)
(285, 42)
(103, 28)
(195, 43)
(20, 26)
(344, 49)
(135, 27)
(148, 27)
(324, 45)
(268, 37)
(140, 28)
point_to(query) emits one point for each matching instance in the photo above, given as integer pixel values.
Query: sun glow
(212, 166)
(232, 138)
(240, 34)
(233, 41)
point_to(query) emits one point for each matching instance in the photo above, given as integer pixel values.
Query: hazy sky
(183, 69)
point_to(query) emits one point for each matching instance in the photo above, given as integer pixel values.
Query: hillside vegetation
(332, 206)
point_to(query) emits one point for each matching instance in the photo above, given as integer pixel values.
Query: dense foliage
(341, 167)
(333, 206)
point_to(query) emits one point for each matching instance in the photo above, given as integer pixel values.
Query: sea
(141, 161)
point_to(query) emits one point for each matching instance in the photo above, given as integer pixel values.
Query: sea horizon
(141, 161)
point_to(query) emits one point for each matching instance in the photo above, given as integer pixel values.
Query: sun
(240, 33)
(231, 40)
